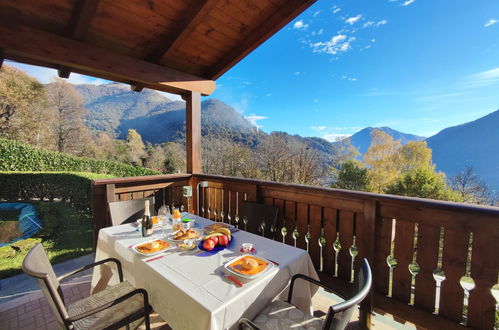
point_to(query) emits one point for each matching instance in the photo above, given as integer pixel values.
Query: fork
(239, 284)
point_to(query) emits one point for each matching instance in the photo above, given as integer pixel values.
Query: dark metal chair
(261, 218)
(129, 211)
(277, 314)
(115, 307)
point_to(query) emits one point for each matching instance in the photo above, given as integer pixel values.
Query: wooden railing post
(366, 307)
(193, 131)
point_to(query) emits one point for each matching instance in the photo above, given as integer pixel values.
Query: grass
(8, 225)
(67, 233)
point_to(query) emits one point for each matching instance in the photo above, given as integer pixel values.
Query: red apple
(208, 245)
(223, 240)
(214, 239)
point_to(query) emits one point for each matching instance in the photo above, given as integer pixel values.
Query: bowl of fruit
(216, 240)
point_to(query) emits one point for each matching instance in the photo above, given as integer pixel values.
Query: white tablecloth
(184, 287)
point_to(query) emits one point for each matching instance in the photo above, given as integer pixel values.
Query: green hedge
(15, 156)
(74, 188)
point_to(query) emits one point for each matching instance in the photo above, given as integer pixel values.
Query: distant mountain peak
(363, 138)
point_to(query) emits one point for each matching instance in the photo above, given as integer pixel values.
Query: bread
(249, 264)
(182, 235)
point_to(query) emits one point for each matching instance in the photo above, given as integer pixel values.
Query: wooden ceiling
(174, 46)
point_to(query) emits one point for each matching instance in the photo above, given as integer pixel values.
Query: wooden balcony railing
(434, 263)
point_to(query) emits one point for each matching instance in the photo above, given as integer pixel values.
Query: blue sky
(417, 66)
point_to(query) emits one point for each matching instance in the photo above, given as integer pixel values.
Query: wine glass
(164, 215)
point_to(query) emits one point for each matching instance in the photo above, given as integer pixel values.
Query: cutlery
(239, 284)
(156, 258)
(274, 262)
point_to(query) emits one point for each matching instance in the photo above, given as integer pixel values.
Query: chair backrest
(37, 265)
(258, 215)
(129, 211)
(339, 315)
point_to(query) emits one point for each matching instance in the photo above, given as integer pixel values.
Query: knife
(239, 284)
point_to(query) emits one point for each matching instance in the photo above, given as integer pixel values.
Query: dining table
(187, 287)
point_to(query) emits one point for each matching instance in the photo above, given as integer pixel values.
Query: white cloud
(491, 22)
(268, 94)
(320, 32)
(333, 137)
(481, 79)
(353, 20)
(299, 25)
(382, 22)
(318, 128)
(316, 13)
(348, 78)
(254, 118)
(408, 2)
(336, 9)
(368, 23)
(338, 44)
(297, 73)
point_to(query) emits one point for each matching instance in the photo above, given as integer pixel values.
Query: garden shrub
(16, 156)
(74, 188)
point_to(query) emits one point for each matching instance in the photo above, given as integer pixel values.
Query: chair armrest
(110, 304)
(306, 278)
(244, 322)
(118, 265)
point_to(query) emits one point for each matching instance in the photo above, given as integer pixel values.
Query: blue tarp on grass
(29, 223)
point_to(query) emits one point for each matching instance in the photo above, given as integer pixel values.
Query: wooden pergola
(176, 46)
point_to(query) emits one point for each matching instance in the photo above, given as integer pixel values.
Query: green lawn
(67, 233)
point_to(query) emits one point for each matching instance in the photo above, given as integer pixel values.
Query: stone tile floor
(31, 310)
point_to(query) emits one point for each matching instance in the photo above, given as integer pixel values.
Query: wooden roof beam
(83, 13)
(279, 19)
(23, 42)
(193, 16)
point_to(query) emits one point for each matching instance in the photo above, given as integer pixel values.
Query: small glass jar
(186, 224)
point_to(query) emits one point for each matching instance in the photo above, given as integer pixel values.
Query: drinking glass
(164, 216)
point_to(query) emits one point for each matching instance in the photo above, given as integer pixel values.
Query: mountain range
(113, 108)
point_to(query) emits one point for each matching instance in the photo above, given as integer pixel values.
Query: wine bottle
(146, 221)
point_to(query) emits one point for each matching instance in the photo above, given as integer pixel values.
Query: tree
(343, 151)
(470, 187)
(423, 182)
(67, 106)
(413, 155)
(135, 147)
(275, 158)
(306, 167)
(175, 158)
(352, 175)
(381, 159)
(22, 107)
(156, 158)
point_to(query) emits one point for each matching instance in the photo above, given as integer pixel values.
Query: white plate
(269, 267)
(170, 236)
(139, 222)
(152, 253)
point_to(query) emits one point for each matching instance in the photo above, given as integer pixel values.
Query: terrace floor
(22, 305)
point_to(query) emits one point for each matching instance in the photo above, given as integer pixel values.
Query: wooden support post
(2, 57)
(193, 131)
(366, 307)
(136, 87)
(64, 72)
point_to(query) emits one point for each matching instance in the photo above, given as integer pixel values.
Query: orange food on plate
(249, 265)
(154, 246)
(155, 220)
